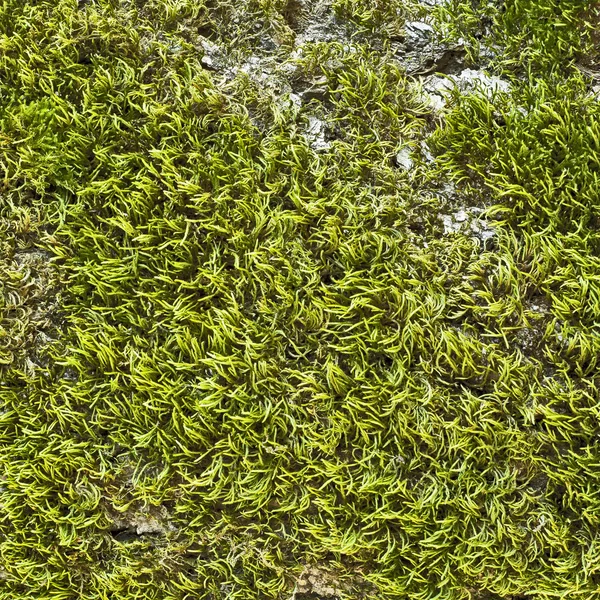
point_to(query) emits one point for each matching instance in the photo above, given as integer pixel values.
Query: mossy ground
(248, 352)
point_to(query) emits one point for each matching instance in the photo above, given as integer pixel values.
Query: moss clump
(527, 36)
(257, 343)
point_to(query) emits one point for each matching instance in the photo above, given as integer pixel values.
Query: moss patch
(276, 323)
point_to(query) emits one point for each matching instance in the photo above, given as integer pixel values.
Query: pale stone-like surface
(436, 88)
(404, 159)
(315, 134)
(468, 221)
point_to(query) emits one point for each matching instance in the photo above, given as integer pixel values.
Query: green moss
(529, 36)
(235, 357)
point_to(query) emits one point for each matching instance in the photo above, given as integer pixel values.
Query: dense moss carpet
(287, 314)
